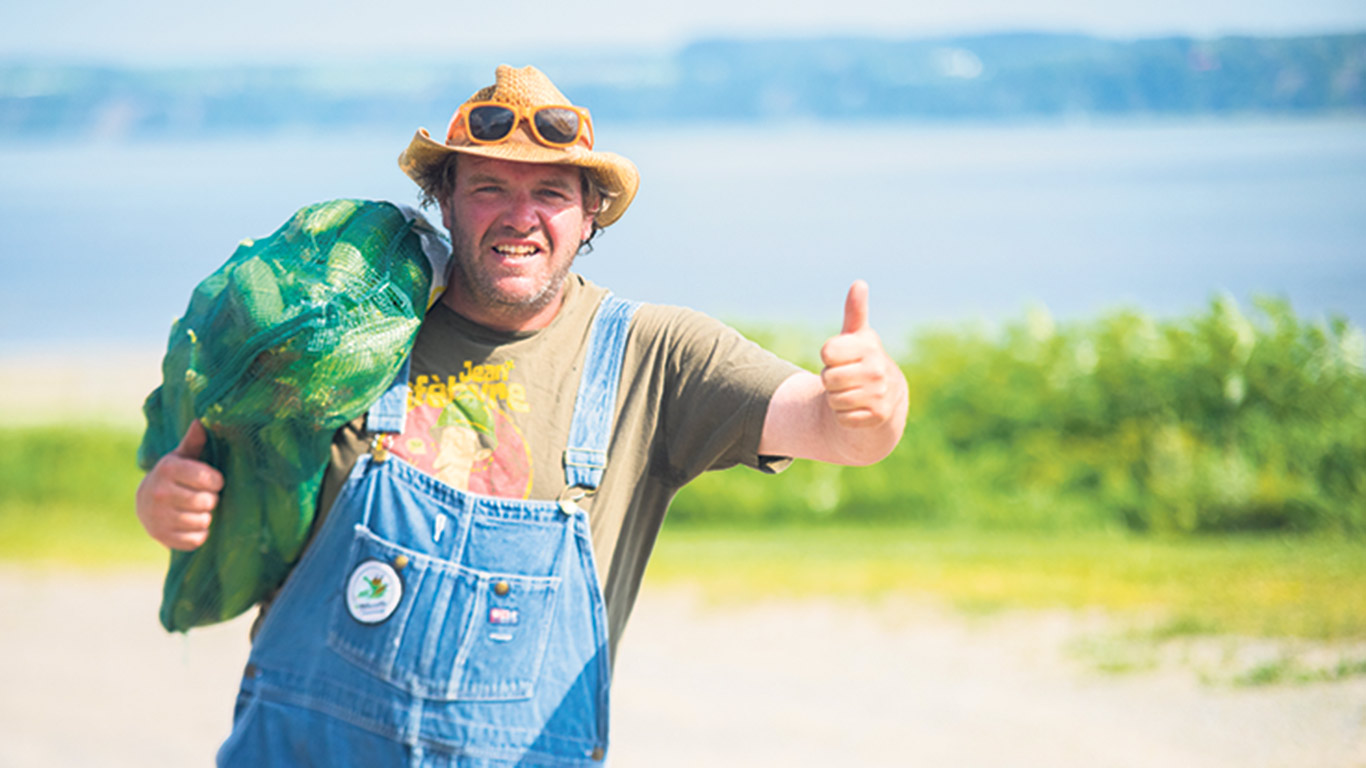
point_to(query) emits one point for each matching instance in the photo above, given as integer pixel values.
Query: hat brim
(617, 175)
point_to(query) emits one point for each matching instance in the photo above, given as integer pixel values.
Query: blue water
(103, 242)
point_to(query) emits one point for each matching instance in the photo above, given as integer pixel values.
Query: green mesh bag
(294, 336)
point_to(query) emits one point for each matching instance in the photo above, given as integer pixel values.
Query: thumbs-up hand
(864, 388)
(175, 501)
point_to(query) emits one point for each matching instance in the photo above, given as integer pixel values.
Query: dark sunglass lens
(491, 123)
(557, 126)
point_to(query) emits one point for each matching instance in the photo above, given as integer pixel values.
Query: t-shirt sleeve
(715, 386)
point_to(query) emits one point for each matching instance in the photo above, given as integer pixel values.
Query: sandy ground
(105, 383)
(87, 678)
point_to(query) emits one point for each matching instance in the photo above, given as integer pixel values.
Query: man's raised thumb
(856, 308)
(193, 443)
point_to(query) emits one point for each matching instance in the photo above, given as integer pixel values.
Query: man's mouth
(516, 251)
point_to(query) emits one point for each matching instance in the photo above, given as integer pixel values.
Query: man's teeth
(515, 250)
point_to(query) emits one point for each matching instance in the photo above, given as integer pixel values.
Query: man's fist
(175, 501)
(863, 386)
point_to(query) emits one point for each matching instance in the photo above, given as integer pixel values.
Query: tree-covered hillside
(996, 77)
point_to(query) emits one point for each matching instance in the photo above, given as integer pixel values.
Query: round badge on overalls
(373, 592)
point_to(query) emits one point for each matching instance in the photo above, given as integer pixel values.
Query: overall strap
(589, 433)
(390, 411)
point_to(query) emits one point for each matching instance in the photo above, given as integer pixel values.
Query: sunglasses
(488, 122)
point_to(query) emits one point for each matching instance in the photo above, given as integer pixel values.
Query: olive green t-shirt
(489, 412)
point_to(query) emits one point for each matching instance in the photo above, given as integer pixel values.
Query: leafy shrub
(1218, 422)
(1213, 423)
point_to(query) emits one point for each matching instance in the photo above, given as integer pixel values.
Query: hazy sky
(171, 30)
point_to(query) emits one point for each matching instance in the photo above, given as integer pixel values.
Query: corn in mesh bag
(294, 336)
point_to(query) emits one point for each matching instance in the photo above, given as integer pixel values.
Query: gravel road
(87, 678)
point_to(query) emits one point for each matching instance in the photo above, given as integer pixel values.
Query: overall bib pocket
(437, 629)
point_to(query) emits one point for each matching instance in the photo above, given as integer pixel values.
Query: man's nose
(521, 213)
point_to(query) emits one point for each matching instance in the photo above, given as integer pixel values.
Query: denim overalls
(426, 626)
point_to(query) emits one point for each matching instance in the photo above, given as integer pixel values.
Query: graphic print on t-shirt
(461, 431)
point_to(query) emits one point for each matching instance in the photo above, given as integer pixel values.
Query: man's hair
(438, 183)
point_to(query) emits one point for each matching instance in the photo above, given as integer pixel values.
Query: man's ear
(445, 213)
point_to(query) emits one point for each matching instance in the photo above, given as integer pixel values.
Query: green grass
(66, 500)
(1289, 670)
(1310, 588)
(66, 497)
(70, 536)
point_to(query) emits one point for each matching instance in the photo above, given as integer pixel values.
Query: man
(484, 529)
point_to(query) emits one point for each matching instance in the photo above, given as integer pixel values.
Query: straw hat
(524, 88)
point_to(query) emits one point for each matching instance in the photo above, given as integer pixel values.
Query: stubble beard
(481, 288)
